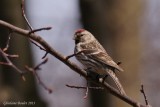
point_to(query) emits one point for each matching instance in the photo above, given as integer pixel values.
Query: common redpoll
(92, 55)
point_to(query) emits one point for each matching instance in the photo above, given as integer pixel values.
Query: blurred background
(128, 29)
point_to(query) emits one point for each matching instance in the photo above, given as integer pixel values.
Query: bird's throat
(77, 41)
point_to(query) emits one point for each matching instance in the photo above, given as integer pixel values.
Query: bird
(91, 54)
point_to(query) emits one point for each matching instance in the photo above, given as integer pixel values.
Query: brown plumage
(94, 56)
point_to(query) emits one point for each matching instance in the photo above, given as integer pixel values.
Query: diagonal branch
(70, 64)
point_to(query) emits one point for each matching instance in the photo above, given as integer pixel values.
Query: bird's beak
(74, 37)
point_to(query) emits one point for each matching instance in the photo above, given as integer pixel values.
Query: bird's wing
(97, 52)
(104, 58)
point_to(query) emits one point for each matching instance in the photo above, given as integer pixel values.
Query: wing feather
(95, 51)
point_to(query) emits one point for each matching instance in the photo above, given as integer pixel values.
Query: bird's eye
(81, 35)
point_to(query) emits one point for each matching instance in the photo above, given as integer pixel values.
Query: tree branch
(33, 70)
(9, 63)
(70, 64)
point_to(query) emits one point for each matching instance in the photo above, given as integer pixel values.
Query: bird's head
(82, 36)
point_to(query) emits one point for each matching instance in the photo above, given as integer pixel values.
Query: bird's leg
(95, 76)
(104, 78)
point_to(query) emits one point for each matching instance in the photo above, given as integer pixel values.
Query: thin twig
(24, 15)
(8, 40)
(11, 64)
(70, 56)
(30, 27)
(41, 48)
(86, 93)
(4, 63)
(142, 91)
(77, 87)
(45, 55)
(82, 87)
(12, 56)
(40, 29)
(87, 88)
(33, 70)
(43, 62)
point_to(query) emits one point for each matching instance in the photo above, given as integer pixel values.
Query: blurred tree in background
(12, 87)
(115, 25)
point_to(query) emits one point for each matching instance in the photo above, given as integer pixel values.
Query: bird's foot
(102, 78)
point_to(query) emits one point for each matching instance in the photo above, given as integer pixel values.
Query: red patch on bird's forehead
(80, 30)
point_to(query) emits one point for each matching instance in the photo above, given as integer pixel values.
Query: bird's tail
(117, 82)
